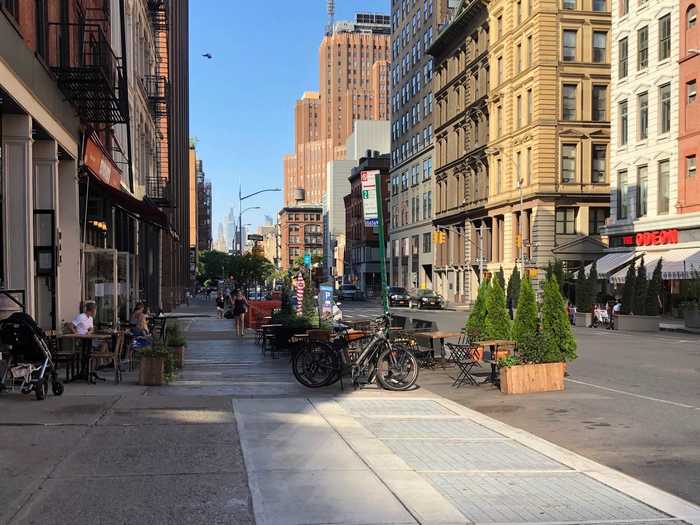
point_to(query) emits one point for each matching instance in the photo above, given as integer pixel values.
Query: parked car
(348, 291)
(398, 296)
(427, 299)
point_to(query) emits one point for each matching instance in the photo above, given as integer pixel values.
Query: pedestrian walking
(240, 308)
(220, 303)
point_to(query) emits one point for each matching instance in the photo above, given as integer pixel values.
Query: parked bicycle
(390, 363)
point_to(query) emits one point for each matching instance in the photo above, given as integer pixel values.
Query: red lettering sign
(652, 238)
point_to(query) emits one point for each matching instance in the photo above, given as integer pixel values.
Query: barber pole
(300, 292)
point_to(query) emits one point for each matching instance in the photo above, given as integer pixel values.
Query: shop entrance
(45, 268)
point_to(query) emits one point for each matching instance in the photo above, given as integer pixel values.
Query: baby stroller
(26, 357)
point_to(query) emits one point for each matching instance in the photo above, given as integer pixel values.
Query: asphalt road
(632, 401)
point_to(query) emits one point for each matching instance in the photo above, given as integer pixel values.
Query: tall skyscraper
(353, 85)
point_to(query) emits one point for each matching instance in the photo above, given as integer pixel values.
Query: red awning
(129, 203)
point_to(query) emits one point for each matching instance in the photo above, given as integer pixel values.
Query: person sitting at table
(140, 308)
(83, 323)
(140, 333)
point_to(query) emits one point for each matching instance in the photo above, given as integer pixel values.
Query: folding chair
(463, 356)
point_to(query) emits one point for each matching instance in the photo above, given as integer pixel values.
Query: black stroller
(26, 357)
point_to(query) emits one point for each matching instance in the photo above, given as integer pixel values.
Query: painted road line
(632, 394)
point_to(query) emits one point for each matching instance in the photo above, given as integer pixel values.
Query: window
(529, 51)
(598, 158)
(691, 17)
(427, 169)
(664, 37)
(569, 45)
(664, 186)
(528, 159)
(569, 102)
(596, 219)
(623, 122)
(642, 190)
(519, 111)
(691, 91)
(600, 44)
(643, 104)
(622, 57)
(665, 108)
(690, 166)
(600, 5)
(622, 194)
(566, 221)
(643, 47)
(568, 4)
(599, 103)
(499, 120)
(624, 7)
(499, 70)
(568, 163)
(499, 27)
(529, 106)
(427, 242)
(518, 58)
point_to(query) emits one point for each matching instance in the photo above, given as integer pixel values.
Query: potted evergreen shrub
(539, 363)
(152, 364)
(640, 300)
(497, 324)
(477, 317)
(690, 294)
(176, 342)
(584, 305)
(513, 290)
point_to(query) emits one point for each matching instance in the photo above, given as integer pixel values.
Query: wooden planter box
(151, 371)
(691, 316)
(526, 379)
(637, 323)
(178, 355)
(584, 319)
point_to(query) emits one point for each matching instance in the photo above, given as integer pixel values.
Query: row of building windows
(421, 209)
(412, 118)
(402, 12)
(664, 47)
(418, 142)
(663, 190)
(565, 220)
(415, 174)
(303, 216)
(664, 113)
(569, 163)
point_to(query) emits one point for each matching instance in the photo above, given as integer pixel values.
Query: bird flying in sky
(207, 55)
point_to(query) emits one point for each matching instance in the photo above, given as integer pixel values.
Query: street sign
(307, 260)
(255, 237)
(369, 197)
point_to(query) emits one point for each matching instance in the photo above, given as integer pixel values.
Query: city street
(632, 401)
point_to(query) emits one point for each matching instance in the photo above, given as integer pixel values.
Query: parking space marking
(632, 394)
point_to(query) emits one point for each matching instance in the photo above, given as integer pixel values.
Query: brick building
(300, 233)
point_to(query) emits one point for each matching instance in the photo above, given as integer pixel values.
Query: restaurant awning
(611, 262)
(129, 203)
(675, 264)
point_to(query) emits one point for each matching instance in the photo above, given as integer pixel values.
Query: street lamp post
(241, 198)
(240, 227)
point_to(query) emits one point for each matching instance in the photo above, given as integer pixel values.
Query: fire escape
(158, 92)
(87, 71)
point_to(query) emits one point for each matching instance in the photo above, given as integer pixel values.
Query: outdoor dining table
(494, 346)
(438, 335)
(85, 349)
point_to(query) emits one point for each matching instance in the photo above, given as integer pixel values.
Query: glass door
(125, 286)
(101, 285)
(45, 268)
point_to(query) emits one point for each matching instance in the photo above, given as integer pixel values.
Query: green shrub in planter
(640, 290)
(174, 335)
(559, 341)
(514, 284)
(525, 324)
(477, 316)
(653, 294)
(628, 290)
(497, 324)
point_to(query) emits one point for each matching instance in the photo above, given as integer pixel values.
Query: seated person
(83, 323)
(140, 333)
(139, 308)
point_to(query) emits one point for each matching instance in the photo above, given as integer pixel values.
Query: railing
(156, 88)
(10, 294)
(158, 189)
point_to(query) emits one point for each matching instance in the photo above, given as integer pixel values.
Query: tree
(477, 316)
(628, 290)
(212, 265)
(559, 341)
(583, 292)
(525, 324)
(497, 324)
(514, 287)
(640, 290)
(309, 309)
(593, 281)
(501, 278)
(653, 296)
(556, 269)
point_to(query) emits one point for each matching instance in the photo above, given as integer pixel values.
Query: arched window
(691, 17)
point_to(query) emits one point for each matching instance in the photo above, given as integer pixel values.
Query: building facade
(461, 84)
(299, 233)
(689, 124)
(361, 258)
(413, 28)
(204, 225)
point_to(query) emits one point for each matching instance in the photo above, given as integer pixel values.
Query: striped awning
(682, 263)
(611, 262)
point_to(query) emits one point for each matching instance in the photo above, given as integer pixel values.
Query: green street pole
(382, 245)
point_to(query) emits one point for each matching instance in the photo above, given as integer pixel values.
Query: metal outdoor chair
(463, 355)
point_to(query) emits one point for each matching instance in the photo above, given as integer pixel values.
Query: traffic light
(518, 241)
(439, 237)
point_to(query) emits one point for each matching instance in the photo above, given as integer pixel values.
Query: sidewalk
(234, 439)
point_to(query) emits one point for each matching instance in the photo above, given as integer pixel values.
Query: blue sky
(265, 55)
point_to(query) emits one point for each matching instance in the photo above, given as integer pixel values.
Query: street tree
(212, 265)
(559, 341)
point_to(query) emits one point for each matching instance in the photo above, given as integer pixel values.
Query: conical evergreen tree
(477, 315)
(497, 324)
(501, 278)
(559, 274)
(593, 282)
(514, 287)
(559, 340)
(653, 296)
(583, 292)
(309, 308)
(628, 290)
(640, 290)
(525, 324)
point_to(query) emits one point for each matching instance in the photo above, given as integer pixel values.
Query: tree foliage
(559, 341)
(640, 290)
(309, 309)
(583, 292)
(212, 265)
(247, 270)
(525, 324)
(556, 269)
(501, 277)
(653, 295)
(593, 281)
(477, 316)
(514, 284)
(628, 290)
(497, 324)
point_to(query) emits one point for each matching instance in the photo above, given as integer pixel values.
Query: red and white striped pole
(300, 284)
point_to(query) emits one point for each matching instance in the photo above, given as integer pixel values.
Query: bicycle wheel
(397, 368)
(316, 365)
